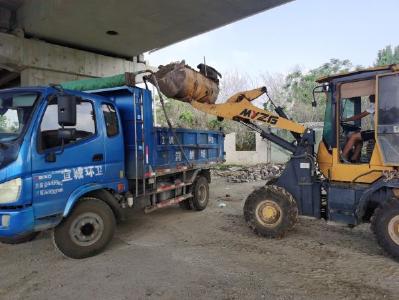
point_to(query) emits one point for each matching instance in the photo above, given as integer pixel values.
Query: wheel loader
(326, 184)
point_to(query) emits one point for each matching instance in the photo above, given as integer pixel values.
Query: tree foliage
(293, 92)
(299, 86)
(387, 56)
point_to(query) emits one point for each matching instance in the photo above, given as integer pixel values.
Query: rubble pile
(238, 174)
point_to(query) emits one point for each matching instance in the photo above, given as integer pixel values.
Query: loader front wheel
(270, 211)
(385, 225)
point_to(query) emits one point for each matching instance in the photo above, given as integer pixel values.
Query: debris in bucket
(179, 81)
(238, 174)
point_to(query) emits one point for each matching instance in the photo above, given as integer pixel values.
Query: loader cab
(349, 95)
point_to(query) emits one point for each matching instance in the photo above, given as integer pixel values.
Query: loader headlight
(10, 190)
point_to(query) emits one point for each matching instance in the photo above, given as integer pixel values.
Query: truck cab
(74, 161)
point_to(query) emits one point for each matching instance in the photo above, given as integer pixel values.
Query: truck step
(165, 203)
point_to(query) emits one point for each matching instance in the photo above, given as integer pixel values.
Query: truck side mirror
(67, 110)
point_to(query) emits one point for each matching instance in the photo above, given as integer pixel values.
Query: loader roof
(371, 71)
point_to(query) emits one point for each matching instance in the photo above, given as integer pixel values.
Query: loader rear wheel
(87, 230)
(385, 225)
(270, 211)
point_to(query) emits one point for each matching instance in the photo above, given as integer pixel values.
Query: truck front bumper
(14, 223)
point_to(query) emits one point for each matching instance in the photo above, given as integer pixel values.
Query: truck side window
(111, 119)
(85, 126)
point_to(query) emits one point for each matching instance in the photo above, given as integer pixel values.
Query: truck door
(60, 167)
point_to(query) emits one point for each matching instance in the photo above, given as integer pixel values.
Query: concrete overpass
(44, 41)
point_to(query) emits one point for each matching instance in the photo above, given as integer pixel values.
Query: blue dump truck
(75, 161)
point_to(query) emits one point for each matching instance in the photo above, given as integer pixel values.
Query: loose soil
(176, 254)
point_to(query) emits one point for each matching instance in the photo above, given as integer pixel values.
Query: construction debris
(181, 82)
(238, 174)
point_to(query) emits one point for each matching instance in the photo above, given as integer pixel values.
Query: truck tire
(87, 230)
(385, 225)
(185, 204)
(20, 239)
(200, 192)
(270, 211)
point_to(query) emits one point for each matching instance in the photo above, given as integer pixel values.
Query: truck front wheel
(87, 230)
(270, 211)
(385, 225)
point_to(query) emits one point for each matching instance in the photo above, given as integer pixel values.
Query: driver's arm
(357, 117)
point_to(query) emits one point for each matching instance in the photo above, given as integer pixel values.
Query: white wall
(266, 152)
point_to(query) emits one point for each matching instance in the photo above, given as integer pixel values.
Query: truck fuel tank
(181, 82)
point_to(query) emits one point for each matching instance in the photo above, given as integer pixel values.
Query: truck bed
(151, 150)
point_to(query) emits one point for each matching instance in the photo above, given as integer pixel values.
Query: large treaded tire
(87, 230)
(283, 207)
(20, 239)
(272, 181)
(385, 225)
(200, 193)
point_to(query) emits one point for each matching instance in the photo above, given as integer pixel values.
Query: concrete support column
(34, 77)
(41, 63)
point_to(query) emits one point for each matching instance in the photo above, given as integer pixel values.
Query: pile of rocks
(248, 174)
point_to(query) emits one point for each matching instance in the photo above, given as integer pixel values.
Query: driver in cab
(355, 141)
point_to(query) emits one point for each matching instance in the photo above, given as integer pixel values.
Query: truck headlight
(5, 221)
(10, 190)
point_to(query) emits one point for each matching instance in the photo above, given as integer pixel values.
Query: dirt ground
(176, 254)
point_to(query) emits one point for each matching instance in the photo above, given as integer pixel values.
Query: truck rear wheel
(270, 211)
(200, 192)
(87, 230)
(385, 225)
(185, 204)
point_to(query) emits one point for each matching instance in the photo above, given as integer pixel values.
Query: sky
(303, 33)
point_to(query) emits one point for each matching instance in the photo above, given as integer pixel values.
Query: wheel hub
(268, 213)
(86, 229)
(393, 229)
(202, 194)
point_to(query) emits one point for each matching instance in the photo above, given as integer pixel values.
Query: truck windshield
(15, 111)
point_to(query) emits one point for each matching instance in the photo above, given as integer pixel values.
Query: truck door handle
(98, 157)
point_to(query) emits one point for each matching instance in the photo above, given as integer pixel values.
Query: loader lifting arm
(239, 108)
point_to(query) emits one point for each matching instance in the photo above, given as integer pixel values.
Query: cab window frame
(384, 129)
(118, 129)
(39, 148)
(329, 137)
